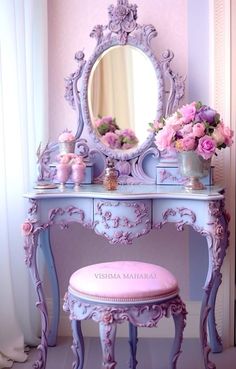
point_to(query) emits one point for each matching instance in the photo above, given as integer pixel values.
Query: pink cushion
(123, 281)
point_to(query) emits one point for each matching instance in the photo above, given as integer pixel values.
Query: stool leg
(133, 339)
(78, 344)
(179, 320)
(107, 337)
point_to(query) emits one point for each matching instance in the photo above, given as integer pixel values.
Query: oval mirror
(122, 96)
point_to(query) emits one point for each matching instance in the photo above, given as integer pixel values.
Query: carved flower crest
(122, 17)
(120, 12)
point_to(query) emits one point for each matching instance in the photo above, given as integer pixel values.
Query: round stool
(114, 292)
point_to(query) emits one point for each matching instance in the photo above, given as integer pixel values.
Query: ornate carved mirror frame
(122, 29)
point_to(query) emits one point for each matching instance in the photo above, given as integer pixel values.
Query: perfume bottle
(78, 171)
(110, 180)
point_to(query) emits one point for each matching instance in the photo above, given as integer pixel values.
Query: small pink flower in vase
(63, 170)
(78, 171)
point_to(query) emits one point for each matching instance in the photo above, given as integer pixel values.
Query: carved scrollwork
(122, 229)
(143, 315)
(177, 83)
(219, 233)
(187, 215)
(71, 92)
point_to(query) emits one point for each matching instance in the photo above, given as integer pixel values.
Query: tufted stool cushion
(123, 282)
(119, 291)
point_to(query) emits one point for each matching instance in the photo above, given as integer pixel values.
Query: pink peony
(206, 147)
(199, 129)
(175, 122)
(188, 143)
(188, 112)
(112, 140)
(165, 137)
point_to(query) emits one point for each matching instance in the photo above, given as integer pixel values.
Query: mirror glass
(122, 96)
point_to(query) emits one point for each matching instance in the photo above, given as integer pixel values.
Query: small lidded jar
(110, 180)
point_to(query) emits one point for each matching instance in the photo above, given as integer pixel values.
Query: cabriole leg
(49, 259)
(133, 339)
(78, 344)
(107, 336)
(180, 322)
(215, 340)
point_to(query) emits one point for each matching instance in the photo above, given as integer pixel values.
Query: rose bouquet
(120, 139)
(194, 127)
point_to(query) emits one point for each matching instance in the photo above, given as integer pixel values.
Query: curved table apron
(122, 216)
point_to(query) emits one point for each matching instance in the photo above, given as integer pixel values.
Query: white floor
(152, 354)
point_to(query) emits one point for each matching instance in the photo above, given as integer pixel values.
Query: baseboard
(165, 326)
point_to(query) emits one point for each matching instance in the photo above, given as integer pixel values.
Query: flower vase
(194, 167)
(78, 173)
(67, 147)
(63, 173)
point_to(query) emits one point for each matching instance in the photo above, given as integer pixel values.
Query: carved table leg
(107, 337)
(78, 344)
(49, 259)
(30, 246)
(215, 340)
(133, 345)
(217, 240)
(180, 322)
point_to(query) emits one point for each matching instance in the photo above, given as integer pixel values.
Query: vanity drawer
(121, 221)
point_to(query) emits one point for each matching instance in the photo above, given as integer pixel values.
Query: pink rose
(223, 134)
(112, 140)
(187, 129)
(188, 143)
(228, 133)
(27, 228)
(157, 125)
(98, 122)
(188, 112)
(107, 119)
(164, 138)
(199, 129)
(206, 147)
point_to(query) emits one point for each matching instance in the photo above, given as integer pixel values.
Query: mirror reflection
(122, 96)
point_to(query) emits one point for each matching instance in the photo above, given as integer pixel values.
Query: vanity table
(140, 203)
(122, 216)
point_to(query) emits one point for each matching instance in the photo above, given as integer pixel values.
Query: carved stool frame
(108, 315)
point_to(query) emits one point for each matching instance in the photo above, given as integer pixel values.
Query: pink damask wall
(69, 25)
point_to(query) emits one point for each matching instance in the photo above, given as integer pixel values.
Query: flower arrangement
(113, 136)
(194, 127)
(67, 142)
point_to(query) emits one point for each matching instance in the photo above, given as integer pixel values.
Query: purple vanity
(149, 192)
